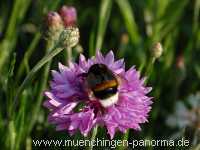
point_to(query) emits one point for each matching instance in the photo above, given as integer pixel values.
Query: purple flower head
(75, 106)
(69, 15)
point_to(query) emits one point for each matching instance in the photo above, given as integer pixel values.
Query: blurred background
(129, 28)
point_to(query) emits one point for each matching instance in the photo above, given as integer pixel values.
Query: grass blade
(56, 50)
(28, 54)
(129, 21)
(19, 10)
(104, 15)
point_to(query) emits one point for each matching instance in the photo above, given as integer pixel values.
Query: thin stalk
(129, 20)
(19, 9)
(149, 67)
(20, 121)
(40, 96)
(53, 52)
(41, 89)
(28, 54)
(104, 16)
(124, 137)
(12, 135)
(93, 136)
(69, 54)
(33, 44)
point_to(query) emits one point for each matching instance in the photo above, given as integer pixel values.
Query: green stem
(69, 54)
(28, 54)
(149, 68)
(53, 52)
(18, 11)
(124, 137)
(40, 96)
(93, 136)
(42, 86)
(12, 135)
(129, 20)
(105, 10)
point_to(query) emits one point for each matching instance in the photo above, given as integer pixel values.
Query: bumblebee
(103, 84)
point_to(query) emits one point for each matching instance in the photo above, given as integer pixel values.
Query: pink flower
(69, 15)
(54, 21)
(72, 106)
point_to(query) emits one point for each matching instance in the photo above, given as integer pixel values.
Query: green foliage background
(128, 27)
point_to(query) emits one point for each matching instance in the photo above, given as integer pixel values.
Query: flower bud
(180, 62)
(69, 15)
(54, 21)
(125, 38)
(156, 50)
(69, 37)
(54, 25)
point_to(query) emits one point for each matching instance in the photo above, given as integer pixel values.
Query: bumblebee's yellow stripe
(105, 85)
